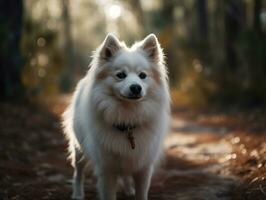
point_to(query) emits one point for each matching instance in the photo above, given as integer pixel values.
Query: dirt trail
(208, 157)
(195, 163)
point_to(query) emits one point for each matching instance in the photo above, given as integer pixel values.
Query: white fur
(99, 104)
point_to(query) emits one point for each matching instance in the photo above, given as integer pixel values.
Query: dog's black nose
(135, 89)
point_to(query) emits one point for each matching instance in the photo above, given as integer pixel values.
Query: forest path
(195, 165)
(209, 156)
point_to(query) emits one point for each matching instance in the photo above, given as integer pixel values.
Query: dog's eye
(121, 75)
(142, 75)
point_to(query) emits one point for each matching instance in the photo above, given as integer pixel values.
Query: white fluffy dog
(119, 116)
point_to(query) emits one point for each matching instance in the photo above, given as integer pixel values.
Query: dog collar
(128, 129)
(124, 127)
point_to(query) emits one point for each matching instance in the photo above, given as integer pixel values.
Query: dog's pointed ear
(110, 47)
(151, 47)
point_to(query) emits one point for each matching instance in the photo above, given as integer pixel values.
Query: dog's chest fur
(126, 164)
(116, 151)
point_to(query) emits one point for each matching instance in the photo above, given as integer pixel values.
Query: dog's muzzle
(134, 91)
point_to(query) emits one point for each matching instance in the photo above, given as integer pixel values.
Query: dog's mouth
(131, 97)
(135, 97)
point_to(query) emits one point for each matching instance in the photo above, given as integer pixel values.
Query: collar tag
(128, 129)
(131, 139)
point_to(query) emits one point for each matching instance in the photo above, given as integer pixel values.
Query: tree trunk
(68, 75)
(202, 20)
(11, 15)
(234, 22)
(168, 30)
(216, 34)
(136, 7)
(256, 19)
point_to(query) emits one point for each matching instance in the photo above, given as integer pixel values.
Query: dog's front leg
(79, 164)
(142, 180)
(107, 183)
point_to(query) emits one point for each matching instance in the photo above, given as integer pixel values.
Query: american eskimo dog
(119, 116)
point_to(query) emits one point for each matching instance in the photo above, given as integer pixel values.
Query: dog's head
(130, 84)
(130, 72)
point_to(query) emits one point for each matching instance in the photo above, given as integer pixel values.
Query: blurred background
(216, 50)
(216, 56)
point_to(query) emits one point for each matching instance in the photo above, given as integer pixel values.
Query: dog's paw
(130, 191)
(77, 197)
